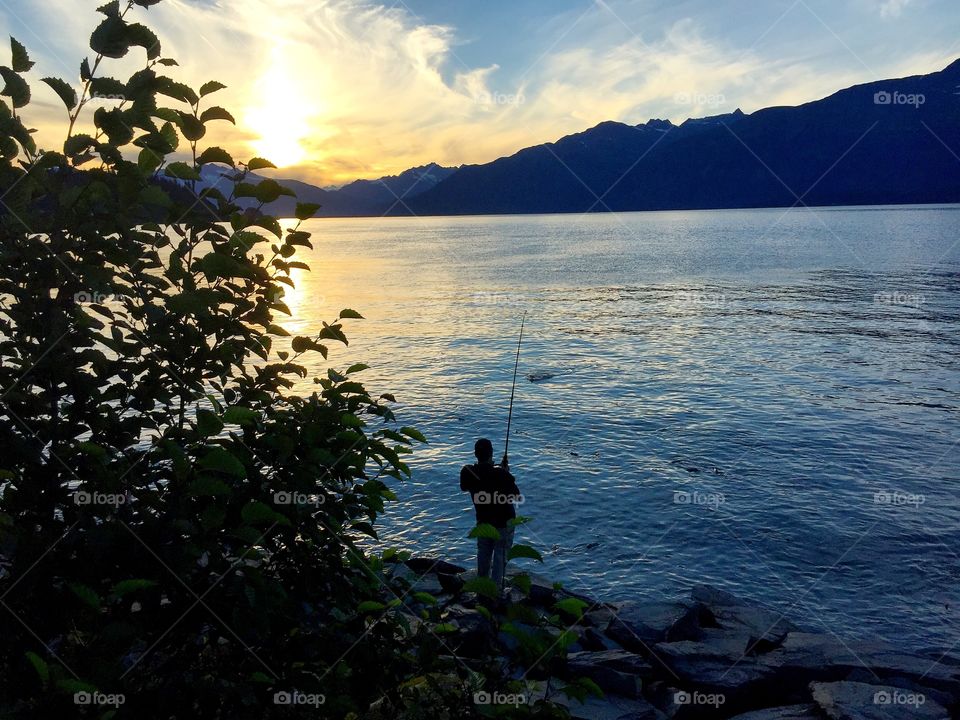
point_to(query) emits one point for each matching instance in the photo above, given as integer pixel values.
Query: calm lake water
(762, 400)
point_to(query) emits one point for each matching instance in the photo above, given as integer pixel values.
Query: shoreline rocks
(710, 655)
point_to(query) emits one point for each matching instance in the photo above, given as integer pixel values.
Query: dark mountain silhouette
(888, 142)
(359, 198)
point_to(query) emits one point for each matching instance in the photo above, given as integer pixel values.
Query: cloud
(340, 89)
(893, 8)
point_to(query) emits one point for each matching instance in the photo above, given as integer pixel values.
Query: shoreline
(710, 654)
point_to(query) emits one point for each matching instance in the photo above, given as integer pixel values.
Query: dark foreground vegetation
(180, 502)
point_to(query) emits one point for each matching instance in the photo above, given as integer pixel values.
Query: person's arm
(468, 479)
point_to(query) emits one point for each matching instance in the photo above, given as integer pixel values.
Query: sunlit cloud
(333, 90)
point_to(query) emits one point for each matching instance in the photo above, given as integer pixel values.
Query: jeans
(490, 551)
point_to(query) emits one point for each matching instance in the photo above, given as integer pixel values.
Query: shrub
(156, 421)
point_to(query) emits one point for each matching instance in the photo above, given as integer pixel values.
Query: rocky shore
(708, 655)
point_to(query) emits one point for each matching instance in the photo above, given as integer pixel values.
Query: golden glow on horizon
(282, 120)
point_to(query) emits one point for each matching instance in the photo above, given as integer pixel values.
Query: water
(730, 392)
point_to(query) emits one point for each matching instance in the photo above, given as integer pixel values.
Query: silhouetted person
(493, 491)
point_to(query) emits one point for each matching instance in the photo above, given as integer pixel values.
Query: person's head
(483, 450)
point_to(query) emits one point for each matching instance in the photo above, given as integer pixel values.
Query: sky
(335, 90)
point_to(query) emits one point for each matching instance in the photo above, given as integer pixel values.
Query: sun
(281, 117)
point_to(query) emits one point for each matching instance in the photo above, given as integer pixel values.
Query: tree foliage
(178, 514)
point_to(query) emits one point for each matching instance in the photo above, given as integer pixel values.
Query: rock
(611, 707)
(791, 712)
(810, 657)
(421, 565)
(474, 633)
(615, 671)
(600, 617)
(711, 667)
(714, 597)
(638, 626)
(593, 641)
(862, 701)
(766, 628)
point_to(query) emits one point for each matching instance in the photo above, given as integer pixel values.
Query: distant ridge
(888, 142)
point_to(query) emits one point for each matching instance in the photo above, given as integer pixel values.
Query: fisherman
(494, 493)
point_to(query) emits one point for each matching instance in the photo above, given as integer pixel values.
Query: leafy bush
(153, 425)
(180, 502)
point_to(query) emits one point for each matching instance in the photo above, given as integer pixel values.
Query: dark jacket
(493, 491)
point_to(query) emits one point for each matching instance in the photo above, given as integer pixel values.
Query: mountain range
(888, 142)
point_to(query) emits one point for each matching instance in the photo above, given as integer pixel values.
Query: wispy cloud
(340, 89)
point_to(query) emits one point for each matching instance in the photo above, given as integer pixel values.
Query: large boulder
(791, 712)
(824, 658)
(765, 628)
(862, 701)
(616, 671)
(711, 667)
(638, 626)
(474, 634)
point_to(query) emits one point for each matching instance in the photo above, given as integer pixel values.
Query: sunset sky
(335, 90)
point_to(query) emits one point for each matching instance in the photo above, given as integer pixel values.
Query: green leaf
(215, 155)
(445, 629)
(413, 433)
(111, 9)
(15, 87)
(523, 582)
(21, 60)
(206, 486)
(359, 367)
(86, 594)
(63, 90)
(571, 606)
(110, 38)
(524, 551)
(142, 36)
(484, 530)
(181, 171)
(220, 460)
(216, 113)
(208, 423)
(259, 164)
(257, 513)
(211, 87)
(481, 586)
(305, 211)
(369, 606)
(349, 314)
(425, 598)
(519, 520)
(124, 587)
(40, 665)
(277, 330)
(237, 415)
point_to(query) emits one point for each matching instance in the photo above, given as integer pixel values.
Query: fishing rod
(506, 445)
